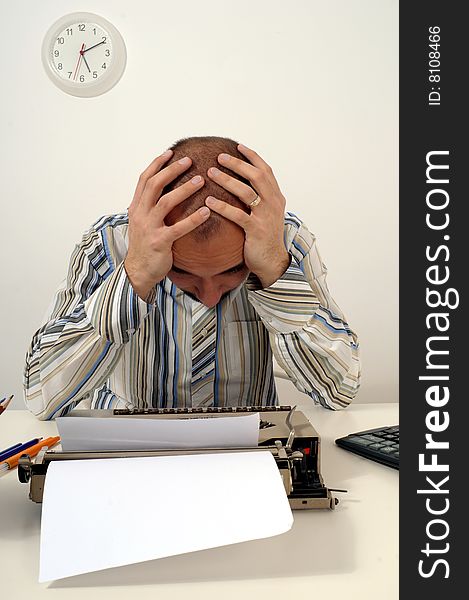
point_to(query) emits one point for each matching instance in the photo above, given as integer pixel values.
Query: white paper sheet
(103, 513)
(121, 433)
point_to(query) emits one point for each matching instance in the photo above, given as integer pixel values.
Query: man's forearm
(74, 353)
(309, 335)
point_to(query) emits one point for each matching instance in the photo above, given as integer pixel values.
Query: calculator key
(372, 438)
(359, 440)
(388, 450)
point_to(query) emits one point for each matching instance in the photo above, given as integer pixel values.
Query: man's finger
(237, 165)
(154, 186)
(169, 201)
(232, 213)
(253, 157)
(238, 188)
(152, 168)
(260, 179)
(188, 224)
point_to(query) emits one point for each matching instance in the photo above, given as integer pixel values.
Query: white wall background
(311, 85)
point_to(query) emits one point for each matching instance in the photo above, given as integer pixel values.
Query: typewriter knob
(24, 468)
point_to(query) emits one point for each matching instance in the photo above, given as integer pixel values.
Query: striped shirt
(104, 346)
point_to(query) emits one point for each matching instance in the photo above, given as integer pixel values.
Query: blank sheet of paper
(103, 513)
(122, 433)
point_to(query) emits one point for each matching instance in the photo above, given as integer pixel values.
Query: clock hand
(78, 63)
(86, 62)
(91, 47)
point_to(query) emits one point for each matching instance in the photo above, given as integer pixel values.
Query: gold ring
(255, 202)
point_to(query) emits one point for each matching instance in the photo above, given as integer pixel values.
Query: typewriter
(284, 431)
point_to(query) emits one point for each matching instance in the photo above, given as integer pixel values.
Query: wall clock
(83, 54)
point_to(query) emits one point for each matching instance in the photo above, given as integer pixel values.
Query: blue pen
(8, 450)
(19, 448)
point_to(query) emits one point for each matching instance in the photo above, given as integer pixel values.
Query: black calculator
(380, 444)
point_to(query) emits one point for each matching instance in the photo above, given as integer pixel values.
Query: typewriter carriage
(284, 431)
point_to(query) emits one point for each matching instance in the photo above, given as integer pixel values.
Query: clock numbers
(80, 54)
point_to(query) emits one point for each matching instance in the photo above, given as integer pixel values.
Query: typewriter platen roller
(284, 431)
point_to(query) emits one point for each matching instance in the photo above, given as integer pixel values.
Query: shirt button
(204, 332)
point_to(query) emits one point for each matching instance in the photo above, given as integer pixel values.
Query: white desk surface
(350, 552)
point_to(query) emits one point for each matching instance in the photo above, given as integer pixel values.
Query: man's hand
(150, 257)
(265, 254)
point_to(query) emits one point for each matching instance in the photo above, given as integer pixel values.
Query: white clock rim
(106, 81)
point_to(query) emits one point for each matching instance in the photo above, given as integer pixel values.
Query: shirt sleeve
(310, 338)
(94, 313)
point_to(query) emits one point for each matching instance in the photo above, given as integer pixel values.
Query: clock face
(83, 54)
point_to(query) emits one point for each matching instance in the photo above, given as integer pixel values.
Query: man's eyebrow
(238, 267)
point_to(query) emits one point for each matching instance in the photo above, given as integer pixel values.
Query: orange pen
(12, 462)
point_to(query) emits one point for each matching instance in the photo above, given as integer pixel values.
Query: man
(181, 301)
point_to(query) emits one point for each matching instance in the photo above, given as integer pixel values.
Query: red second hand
(78, 63)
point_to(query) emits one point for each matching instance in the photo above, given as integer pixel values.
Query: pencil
(12, 462)
(4, 404)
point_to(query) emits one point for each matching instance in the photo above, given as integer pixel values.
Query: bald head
(203, 151)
